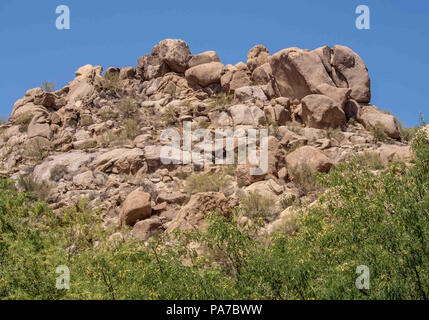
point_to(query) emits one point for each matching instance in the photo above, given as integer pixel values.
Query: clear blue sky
(116, 33)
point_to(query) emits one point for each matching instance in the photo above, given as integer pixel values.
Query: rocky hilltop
(98, 138)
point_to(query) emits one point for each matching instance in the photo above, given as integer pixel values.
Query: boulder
(262, 74)
(72, 161)
(84, 179)
(320, 112)
(390, 153)
(325, 54)
(149, 67)
(46, 99)
(236, 77)
(243, 176)
(257, 56)
(205, 74)
(174, 52)
(202, 58)
(144, 230)
(39, 126)
(313, 157)
(127, 73)
(353, 69)
(120, 161)
(241, 115)
(298, 73)
(136, 207)
(370, 116)
(192, 215)
(339, 95)
(250, 93)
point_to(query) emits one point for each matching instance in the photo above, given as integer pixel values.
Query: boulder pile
(99, 137)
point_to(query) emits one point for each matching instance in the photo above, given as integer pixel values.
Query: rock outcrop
(101, 136)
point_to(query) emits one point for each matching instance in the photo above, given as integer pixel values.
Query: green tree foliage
(364, 218)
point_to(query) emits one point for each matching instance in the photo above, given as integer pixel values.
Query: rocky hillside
(99, 137)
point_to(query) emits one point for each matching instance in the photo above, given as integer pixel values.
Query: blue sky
(116, 33)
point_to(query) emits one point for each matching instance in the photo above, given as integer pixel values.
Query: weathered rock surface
(371, 117)
(311, 156)
(136, 207)
(320, 112)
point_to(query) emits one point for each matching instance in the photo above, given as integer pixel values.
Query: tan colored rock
(250, 93)
(243, 176)
(262, 74)
(257, 56)
(298, 73)
(205, 74)
(46, 99)
(84, 179)
(313, 157)
(241, 115)
(144, 230)
(371, 116)
(192, 216)
(175, 197)
(236, 77)
(127, 73)
(39, 126)
(390, 153)
(325, 54)
(174, 52)
(120, 161)
(72, 161)
(136, 207)
(320, 112)
(354, 70)
(149, 67)
(202, 58)
(339, 95)
(282, 114)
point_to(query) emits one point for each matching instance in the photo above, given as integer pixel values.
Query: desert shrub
(256, 205)
(305, 178)
(108, 114)
(48, 86)
(221, 101)
(109, 138)
(38, 148)
(38, 190)
(334, 133)
(287, 201)
(379, 132)
(407, 133)
(110, 83)
(171, 89)
(169, 116)
(58, 172)
(295, 128)
(130, 130)
(204, 124)
(205, 182)
(379, 221)
(370, 160)
(128, 108)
